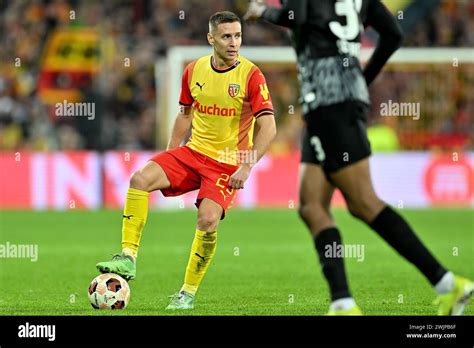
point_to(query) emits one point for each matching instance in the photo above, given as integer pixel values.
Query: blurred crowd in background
(134, 34)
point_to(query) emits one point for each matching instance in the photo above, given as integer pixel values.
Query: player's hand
(238, 179)
(254, 11)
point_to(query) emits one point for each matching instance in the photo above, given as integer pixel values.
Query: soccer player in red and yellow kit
(225, 99)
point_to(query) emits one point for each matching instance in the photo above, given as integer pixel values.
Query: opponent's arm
(292, 14)
(264, 133)
(390, 40)
(181, 127)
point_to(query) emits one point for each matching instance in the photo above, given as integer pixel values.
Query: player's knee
(304, 212)
(365, 207)
(355, 210)
(139, 181)
(311, 214)
(208, 220)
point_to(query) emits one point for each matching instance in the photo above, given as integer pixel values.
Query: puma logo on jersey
(200, 86)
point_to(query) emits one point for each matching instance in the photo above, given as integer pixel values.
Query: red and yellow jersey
(225, 106)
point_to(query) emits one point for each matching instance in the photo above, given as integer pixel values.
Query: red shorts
(188, 170)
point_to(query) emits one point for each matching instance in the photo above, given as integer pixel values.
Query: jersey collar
(233, 66)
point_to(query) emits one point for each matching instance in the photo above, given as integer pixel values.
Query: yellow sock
(134, 219)
(202, 251)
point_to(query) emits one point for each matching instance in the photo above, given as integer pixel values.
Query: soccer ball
(109, 291)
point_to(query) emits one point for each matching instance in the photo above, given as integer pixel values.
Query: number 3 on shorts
(318, 149)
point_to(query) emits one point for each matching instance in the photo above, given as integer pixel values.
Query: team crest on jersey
(234, 90)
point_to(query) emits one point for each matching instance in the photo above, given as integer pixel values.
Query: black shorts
(335, 136)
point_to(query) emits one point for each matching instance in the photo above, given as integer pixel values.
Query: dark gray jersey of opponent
(326, 36)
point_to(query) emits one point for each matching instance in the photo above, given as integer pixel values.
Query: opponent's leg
(363, 203)
(202, 252)
(315, 194)
(148, 179)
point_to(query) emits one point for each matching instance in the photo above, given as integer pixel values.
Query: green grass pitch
(265, 263)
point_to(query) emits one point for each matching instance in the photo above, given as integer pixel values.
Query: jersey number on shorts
(318, 149)
(224, 178)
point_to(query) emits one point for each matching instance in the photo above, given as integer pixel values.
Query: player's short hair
(222, 17)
